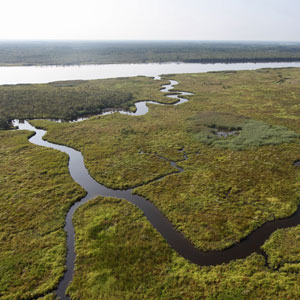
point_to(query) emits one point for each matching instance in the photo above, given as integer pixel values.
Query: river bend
(174, 238)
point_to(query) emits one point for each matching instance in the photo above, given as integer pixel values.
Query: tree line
(58, 101)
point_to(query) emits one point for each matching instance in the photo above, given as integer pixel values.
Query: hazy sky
(151, 19)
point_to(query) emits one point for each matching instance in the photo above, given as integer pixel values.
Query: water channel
(174, 238)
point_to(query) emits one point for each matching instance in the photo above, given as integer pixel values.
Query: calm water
(38, 74)
(175, 239)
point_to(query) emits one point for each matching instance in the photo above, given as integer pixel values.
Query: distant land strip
(18, 53)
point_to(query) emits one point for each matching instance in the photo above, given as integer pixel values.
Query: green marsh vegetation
(282, 249)
(71, 99)
(243, 132)
(229, 186)
(36, 192)
(49, 297)
(121, 256)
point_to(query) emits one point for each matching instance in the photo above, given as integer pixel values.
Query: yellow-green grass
(269, 95)
(36, 192)
(283, 249)
(119, 150)
(223, 194)
(121, 256)
(48, 297)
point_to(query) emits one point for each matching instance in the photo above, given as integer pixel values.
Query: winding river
(174, 238)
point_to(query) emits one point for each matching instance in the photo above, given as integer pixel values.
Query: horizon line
(148, 40)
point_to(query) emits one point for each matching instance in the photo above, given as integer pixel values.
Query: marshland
(230, 186)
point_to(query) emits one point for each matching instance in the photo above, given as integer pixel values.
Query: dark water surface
(174, 238)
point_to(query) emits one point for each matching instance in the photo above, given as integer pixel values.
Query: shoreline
(186, 61)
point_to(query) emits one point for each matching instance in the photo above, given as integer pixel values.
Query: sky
(259, 20)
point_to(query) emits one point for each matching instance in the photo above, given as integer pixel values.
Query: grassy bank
(121, 256)
(36, 192)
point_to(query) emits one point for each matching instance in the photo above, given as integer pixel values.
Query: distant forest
(59, 100)
(96, 52)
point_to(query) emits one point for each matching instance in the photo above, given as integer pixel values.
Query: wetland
(213, 190)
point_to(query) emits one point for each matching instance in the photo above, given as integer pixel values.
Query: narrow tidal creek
(174, 238)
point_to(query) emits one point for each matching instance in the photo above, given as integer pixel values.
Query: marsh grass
(282, 249)
(48, 297)
(36, 192)
(72, 99)
(249, 133)
(121, 256)
(223, 194)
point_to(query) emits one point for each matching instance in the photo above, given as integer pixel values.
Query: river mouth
(175, 239)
